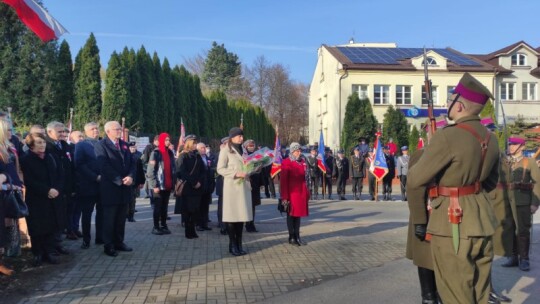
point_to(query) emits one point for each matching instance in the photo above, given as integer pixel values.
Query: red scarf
(166, 161)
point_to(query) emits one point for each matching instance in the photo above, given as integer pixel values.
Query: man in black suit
(117, 170)
(58, 148)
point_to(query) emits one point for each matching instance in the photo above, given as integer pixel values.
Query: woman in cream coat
(236, 190)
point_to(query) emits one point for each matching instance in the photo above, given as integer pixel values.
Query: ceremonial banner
(37, 19)
(320, 154)
(276, 164)
(379, 167)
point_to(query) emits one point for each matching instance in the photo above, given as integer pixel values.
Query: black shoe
(165, 230)
(511, 261)
(497, 297)
(524, 265)
(131, 220)
(223, 231)
(199, 228)
(267, 195)
(300, 242)
(78, 234)
(372, 198)
(61, 250)
(49, 259)
(37, 261)
(157, 231)
(168, 218)
(273, 196)
(123, 247)
(343, 198)
(233, 250)
(99, 242)
(135, 210)
(111, 252)
(207, 228)
(293, 241)
(85, 245)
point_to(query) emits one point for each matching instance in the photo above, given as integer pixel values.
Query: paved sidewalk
(355, 255)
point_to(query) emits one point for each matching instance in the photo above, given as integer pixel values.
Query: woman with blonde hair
(10, 176)
(190, 168)
(237, 207)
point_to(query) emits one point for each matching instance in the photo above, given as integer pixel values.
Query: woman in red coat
(295, 191)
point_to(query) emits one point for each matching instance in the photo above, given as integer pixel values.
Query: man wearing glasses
(463, 160)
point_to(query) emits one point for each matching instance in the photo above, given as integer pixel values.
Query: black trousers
(206, 199)
(269, 187)
(114, 224)
(371, 184)
(341, 181)
(131, 206)
(403, 182)
(314, 185)
(293, 225)
(357, 185)
(87, 204)
(387, 186)
(70, 212)
(42, 244)
(220, 211)
(328, 181)
(161, 207)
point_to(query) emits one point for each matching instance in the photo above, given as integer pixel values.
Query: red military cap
(472, 90)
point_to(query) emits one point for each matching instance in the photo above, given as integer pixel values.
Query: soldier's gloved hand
(420, 231)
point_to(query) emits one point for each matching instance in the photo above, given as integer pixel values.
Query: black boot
(293, 240)
(427, 285)
(297, 232)
(511, 261)
(495, 297)
(299, 240)
(239, 242)
(523, 248)
(233, 249)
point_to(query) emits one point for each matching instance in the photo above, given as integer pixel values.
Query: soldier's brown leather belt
(515, 186)
(437, 191)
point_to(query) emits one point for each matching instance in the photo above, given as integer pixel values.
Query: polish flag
(37, 19)
(420, 144)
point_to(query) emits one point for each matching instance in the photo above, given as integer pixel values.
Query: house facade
(386, 75)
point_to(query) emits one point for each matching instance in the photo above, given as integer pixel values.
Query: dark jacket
(313, 166)
(185, 165)
(40, 176)
(341, 168)
(86, 168)
(114, 165)
(64, 161)
(329, 162)
(358, 166)
(155, 173)
(391, 168)
(210, 182)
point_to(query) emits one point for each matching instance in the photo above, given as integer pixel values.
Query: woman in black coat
(43, 180)
(191, 169)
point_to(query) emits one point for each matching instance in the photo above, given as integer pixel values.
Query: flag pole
(123, 128)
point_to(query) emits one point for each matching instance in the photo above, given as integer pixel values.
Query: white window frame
(434, 92)
(509, 91)
(383, 92)
(431, 61)
(359, 88)
(519, 59)
(401, 95)
(529, 91)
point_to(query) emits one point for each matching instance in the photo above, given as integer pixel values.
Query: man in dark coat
(314, 173)
(329, 164)
(341, 172)
(208, 188)
(58, 148)
(139, 180)
(117, 170)
(88, 175)
(387, 179)
(358, 170)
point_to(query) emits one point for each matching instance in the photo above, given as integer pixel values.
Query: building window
(449, 93)
(519, 59)
(430, 61)
(529, 91)
(507, 91)
(433, 94)
(361, 89)
(403, 95)
(381, 94)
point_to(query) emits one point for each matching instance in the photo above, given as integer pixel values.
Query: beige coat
(236, 193)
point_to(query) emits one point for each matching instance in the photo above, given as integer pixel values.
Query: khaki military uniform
(453, 158)
(418, 251)
(523, 188)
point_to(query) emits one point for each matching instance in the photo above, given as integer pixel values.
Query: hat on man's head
(386, 147)
(362, 138)
(313, 148)
(235, 131)
(472, 90)
(356, 148)
(516, 141)
(294, 146)
(327, 149)
(132, 144)
(340, 151)
(190, 137)
(224, 139)
(404, 148)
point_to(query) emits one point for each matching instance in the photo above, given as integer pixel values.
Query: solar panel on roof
(393, 55)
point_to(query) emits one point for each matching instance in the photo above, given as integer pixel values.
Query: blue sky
(289, 32)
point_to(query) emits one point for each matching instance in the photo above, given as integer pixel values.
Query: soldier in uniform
(314, 173)
(363, 146)
(329, 163)
(402, 169)
(341, 173)
(462, 159)
(387, 179)
(358, 171)
(522, 184)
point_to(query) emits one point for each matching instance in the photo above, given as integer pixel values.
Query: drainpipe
(345, 74)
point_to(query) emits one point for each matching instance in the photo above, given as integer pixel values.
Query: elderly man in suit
(117, 170)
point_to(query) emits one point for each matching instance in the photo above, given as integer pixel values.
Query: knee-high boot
(427, 285)
(297, 231)
(523, 251)
(292, 233)
(239, 229)
(233, 248)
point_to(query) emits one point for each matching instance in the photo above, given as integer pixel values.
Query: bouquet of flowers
(254, 162)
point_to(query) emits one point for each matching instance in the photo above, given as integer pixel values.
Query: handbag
(283, 206)
(180, 183)
(14, 205)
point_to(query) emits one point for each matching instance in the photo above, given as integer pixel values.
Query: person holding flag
(378, 167)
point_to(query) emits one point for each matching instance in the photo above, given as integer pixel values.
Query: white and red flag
(37, 19)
